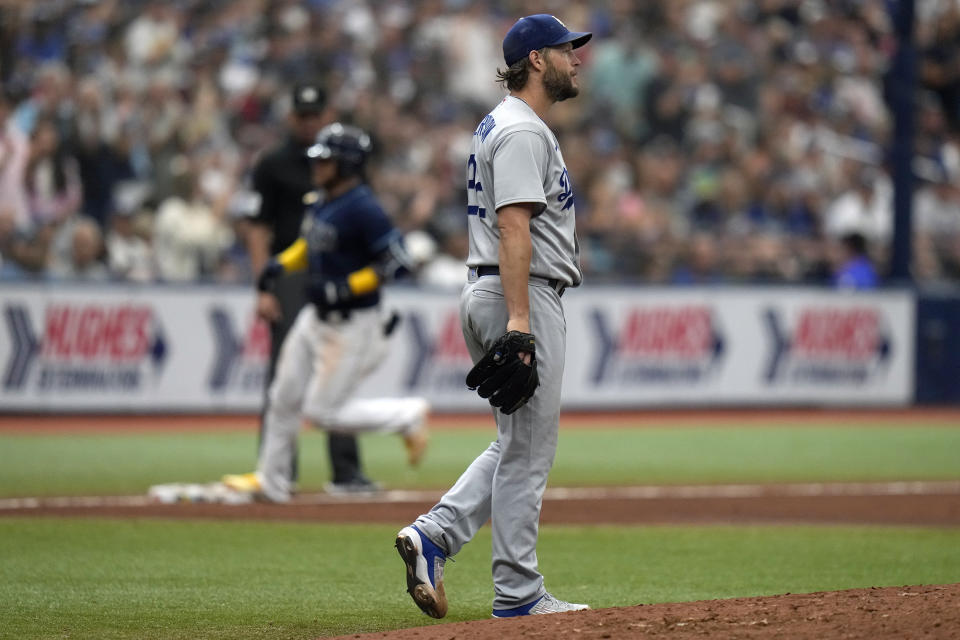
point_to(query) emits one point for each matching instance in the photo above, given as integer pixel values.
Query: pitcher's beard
(558, 86)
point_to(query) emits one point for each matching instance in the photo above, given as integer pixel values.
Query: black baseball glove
(502, 376)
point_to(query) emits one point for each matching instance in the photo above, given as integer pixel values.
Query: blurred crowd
(715, 141)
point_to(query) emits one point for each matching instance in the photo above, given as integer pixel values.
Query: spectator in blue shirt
(855, 269)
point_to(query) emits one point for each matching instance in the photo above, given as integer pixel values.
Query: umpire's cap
(309, 98)
(350, 146)
(536, 32)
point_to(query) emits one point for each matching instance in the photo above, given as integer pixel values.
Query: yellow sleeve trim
(294, 257)
(363, 281)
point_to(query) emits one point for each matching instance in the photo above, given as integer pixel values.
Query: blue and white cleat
(546, 604)
(424, 562)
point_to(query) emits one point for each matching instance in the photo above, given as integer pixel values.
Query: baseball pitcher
(523, 255)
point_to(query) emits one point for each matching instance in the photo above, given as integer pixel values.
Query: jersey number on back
(473, 187)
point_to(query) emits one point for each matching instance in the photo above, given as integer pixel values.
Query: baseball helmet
(350, 146)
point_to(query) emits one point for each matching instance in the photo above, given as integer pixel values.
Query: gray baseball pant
(506, 482)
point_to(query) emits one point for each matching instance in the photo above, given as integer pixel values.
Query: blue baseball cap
(536, 32)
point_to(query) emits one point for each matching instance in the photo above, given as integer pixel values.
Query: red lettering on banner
(88, 333)
(257, 343)
(450, 343)
(117, 334)
(850, 333)
(142, 323)
(682, 331)
(55, 340)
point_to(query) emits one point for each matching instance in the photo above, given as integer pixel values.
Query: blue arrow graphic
(608, 346)
(25, 347)
(228, 349)
(781, 344)
(425, 349)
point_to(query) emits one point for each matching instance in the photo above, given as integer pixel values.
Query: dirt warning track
(948, 417)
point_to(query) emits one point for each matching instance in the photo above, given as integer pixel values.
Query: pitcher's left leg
(528, 441)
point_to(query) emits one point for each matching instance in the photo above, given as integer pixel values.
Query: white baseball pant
(321, 364)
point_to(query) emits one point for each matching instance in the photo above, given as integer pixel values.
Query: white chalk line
(560, 494)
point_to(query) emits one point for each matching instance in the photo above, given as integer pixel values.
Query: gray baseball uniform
(514, 158)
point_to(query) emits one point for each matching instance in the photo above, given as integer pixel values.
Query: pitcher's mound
(929, 612)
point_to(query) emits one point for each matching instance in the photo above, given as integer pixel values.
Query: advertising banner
(137, 348)
(90, 348)
(739, 346)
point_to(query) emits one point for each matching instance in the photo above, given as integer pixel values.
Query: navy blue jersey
(347, 234)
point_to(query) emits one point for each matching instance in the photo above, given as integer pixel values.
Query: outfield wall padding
(938, 350)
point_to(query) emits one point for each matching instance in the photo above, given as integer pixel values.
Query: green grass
(108, 579)
(118, 579)
(79, 464)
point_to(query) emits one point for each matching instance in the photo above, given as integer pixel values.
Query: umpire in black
(283, 180)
